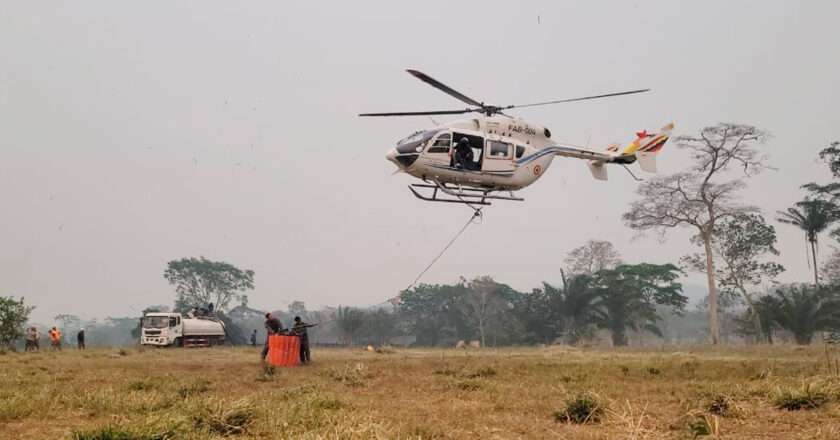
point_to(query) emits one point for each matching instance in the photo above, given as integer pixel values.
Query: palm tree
(349, 321)
(621, 305)
(812, 216)
(572, 306)
(802, 310)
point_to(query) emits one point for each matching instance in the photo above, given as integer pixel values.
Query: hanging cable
(476, 214)
(474, 219)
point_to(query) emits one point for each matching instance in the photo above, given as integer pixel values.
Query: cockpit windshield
(416, 142)
(156, 322)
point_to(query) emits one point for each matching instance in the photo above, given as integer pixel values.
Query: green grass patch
(193, 389)
(581, 408)
(806, 398)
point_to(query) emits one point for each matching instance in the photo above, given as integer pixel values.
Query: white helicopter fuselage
(508, 153)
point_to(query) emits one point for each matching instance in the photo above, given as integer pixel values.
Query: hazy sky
(134, 133)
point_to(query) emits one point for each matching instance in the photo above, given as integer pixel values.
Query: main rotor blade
(441, 112)
(444, 88)
(578, 99)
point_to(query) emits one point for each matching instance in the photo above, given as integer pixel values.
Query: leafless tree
(481, 301)
(695, 198)
(594, 256)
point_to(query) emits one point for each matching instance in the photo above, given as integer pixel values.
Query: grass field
(131, 393)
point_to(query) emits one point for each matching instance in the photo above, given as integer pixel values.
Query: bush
(582, 408)
(719, 405)
(481, 372)
(807, 398)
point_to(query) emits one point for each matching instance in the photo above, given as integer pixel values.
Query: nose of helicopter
(392, 156)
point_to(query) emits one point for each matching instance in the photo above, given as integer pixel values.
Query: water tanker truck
(172, 329)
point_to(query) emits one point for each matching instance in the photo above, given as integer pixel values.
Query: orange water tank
(283, 350)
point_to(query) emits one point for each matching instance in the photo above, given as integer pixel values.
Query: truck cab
(161, 329)
(166, 329)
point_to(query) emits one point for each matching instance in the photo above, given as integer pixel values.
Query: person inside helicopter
(463, 154)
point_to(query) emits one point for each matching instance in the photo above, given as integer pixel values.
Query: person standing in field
(272, 327)
(254, 338)
(80, 339)
(31, 339)
(300, 329)
(55, 339)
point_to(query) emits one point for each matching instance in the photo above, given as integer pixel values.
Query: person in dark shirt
(463, 154)
(254, 338)
(272, 327)
(300, 329)
(80, 339)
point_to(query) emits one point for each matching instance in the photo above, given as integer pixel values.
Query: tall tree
(13, 317)
(655, 284)
(431, 313)
(620, 306)
(830, 270)
(481, 301)
(199, 281)
(380, 326)
(573, 306)
(592, 257)
(743, 244)
(67, 322)
(696, 198)
(812, 216)
(349, 320)
(297, 308)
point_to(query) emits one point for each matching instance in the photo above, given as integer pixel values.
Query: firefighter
(55, 339)
(272, 327)
(80, 339)
(300, 329)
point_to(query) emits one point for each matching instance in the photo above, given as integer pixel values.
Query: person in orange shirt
(55, 339)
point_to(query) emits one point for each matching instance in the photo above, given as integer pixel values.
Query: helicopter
(474, 161)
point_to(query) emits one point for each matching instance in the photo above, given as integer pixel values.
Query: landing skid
(442, 192)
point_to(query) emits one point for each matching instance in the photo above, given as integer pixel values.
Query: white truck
(172, 329)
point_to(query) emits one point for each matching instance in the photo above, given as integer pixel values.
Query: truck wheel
(179, 342)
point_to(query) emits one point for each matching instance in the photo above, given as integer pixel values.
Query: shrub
(718, 404)
(481, 372)
(807, 398)
(581, 408)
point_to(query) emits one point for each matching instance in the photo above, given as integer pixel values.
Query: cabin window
(172, 322)
(498, 150)
(519, 151)
(442, 144)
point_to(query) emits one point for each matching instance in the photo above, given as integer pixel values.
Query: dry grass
(224, 393)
